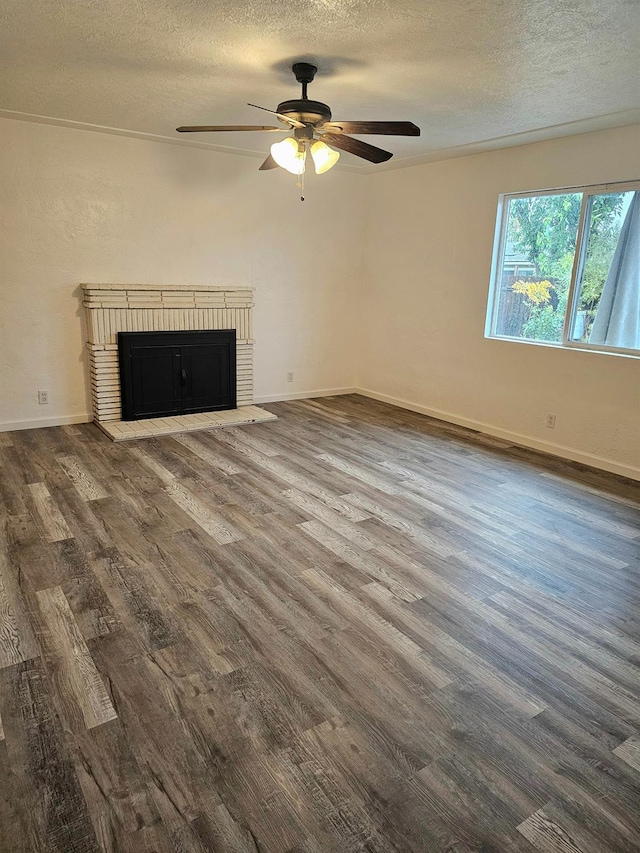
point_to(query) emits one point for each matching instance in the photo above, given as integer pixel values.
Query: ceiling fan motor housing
(309, 112)
(303, 109)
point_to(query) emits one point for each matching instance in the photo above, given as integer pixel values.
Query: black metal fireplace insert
(176, 373)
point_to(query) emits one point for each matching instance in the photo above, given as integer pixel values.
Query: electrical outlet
(551, 421)
(43, 397)
(290, 376)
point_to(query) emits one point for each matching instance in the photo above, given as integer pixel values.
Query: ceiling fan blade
(292, 121)
(389, 128)
(217, 127)
(357, 147)
(269, 163)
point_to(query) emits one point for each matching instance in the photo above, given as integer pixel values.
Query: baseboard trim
(85, 418)
(552, 449)
(305, 395)
(564, 452)
(35, 423)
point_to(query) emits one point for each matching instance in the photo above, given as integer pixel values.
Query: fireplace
(115, 308)
(179, 309)
(176, 373)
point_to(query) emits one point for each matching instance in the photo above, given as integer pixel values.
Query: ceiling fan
(313, 131)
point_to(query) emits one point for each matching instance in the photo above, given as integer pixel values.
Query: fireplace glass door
(176, 373)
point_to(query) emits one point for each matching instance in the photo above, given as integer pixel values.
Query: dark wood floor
(353, 629)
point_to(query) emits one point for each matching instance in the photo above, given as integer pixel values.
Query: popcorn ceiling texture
(463, 70)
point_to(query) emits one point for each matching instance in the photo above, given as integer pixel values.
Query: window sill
(567, 347)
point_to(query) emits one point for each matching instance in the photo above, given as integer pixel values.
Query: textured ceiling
(465, 71)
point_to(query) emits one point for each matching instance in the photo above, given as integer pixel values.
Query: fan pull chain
(300, 185)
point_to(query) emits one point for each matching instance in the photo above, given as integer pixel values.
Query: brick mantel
(113, 308)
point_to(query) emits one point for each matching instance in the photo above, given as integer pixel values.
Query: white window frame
(499, 245)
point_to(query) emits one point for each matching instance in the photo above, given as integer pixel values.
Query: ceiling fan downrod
(304, 73)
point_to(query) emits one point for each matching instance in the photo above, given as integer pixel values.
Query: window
(566, 268)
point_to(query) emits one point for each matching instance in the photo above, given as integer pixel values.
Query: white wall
(428, 254)
(77, 206)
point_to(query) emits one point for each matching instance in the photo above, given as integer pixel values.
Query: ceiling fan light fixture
(310, 125)
(324, 158)
(288, 155)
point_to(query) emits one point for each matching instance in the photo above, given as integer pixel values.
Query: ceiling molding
(543, 134)
(185, 141)
(573, 128)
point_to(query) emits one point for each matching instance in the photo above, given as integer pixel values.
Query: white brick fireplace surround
(113, 308)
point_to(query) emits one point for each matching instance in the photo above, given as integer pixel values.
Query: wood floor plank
(304, 483)
(590, 795)
(53, 813)
(53, 521)
(216, 460)
(593, 829)
(211, 522)
(180, 762)
(359, 473)
(320, 511)
(129, 596)
(88, 488)
(613, 666)
(356, 558)
(354, 610)
(251, 439)
(453, 790)
(86, 595)
(422, 537)
(333, 812)
(17, 641)
(122, 809)
(629, 751)
(546, 835)
(284, 598)
(77, 671)
(147, 459)
(462, 658)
